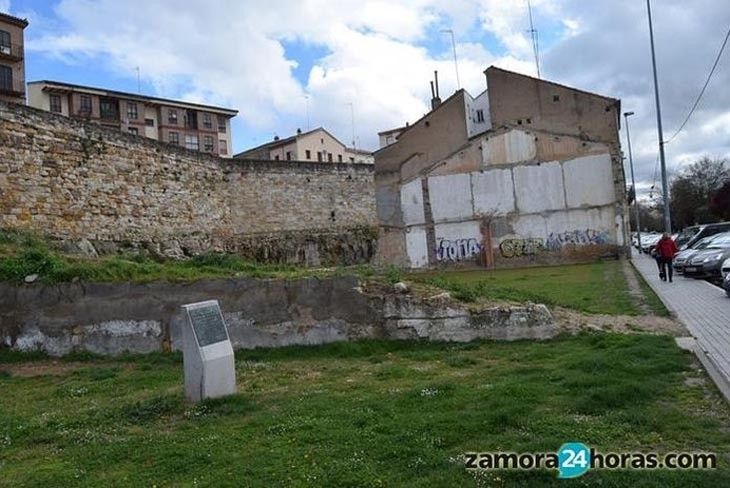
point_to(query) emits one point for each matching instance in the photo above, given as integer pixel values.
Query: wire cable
(702, 92)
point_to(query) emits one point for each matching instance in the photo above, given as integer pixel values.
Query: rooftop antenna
(139, 86)
(533, 36)
(352, 117)
(306, 98)
(456, 64)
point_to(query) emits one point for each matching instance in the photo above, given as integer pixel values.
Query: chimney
(276, 138)
(435, 100)
(299, 131)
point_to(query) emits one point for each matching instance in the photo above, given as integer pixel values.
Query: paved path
(704, 309)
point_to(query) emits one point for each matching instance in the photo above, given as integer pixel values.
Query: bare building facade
(12, 58)
(197, 127)
(528, 172)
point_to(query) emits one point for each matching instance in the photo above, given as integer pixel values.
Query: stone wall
(111, 318)
(77, 181)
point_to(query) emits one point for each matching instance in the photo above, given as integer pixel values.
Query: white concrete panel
(450, 197)
(589, 181)
(511, 147)
(411, 203)
(417, 246)
(530, 227)
(539, 188)
(458, 241)
(581, 226)
(493, 192)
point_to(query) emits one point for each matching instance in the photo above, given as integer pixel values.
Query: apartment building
(529, 172)
(315, 145)
(12, 58)
(194, 126)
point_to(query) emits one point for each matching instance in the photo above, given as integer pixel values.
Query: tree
(692, 189)
(720, 202)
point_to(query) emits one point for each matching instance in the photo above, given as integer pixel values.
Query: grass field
(598, 287)
(360, 414)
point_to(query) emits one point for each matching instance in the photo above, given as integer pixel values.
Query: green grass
(598, 287)
(652, 300)
(358, 414)
(23, 254)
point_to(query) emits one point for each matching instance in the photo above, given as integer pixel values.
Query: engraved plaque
(208, 324)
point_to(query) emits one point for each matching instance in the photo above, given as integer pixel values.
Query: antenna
(139, 89)
(306, 98)
(352, 117)
(456, 64)
(533, 36)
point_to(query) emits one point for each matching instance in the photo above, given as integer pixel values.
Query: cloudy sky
(304, 63)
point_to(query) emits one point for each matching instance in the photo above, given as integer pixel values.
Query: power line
(702, 92)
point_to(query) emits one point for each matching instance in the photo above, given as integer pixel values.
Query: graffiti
(587, 237)
(457, 250)
(513, 248)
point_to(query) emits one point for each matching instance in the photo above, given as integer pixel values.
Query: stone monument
(207, 353)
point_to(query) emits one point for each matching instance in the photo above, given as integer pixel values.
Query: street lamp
(633, 182)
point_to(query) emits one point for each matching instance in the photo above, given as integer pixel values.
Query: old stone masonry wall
(79, 182)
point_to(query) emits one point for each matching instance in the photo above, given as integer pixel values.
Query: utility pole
(456, 64)
(665, 189)
(633, 181)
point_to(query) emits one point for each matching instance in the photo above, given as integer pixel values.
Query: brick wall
(76, 181)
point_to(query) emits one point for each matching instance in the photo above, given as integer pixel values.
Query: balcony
(13, 87)
(12, 52)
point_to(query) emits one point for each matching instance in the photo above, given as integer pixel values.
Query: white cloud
(380, 55)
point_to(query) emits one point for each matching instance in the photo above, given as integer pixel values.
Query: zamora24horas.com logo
(574, 459)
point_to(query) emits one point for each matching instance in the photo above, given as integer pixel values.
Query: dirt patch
(49, 368)
(573, 322)
(635, 291)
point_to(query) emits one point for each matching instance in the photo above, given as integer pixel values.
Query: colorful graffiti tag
(587, 237)
(457, 250)
(514, 248)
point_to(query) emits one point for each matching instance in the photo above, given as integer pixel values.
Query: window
(149, 122)
(207, 122)
(191, 119)
(132, 110)
(222, 147)
(134, 130)
(85, 104)
(221, 125)
(108, 109)
(308, 153)
(352, 160)
(55, 103)
(191, 142)
(5, 44)
(172, 116)
(288, 155)
(208, 143)
(173, 138)
(339, 158)
(276, 158)
(319, 155)
(329, 157)
(480, 116)
(6, 78)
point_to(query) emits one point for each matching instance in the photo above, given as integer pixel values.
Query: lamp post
(665, 189)
(633, 181)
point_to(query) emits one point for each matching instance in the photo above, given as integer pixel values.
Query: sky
(358, 67)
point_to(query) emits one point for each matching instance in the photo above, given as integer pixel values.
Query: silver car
(683, 257)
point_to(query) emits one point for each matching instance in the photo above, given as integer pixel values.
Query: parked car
(648, 241)
(726, 284)
(694, 233)
(725, 270)
(708, 262)
(682, 257)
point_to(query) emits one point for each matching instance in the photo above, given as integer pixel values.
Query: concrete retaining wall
(110, 318)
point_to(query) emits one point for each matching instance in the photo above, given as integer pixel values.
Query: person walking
(665, 251)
